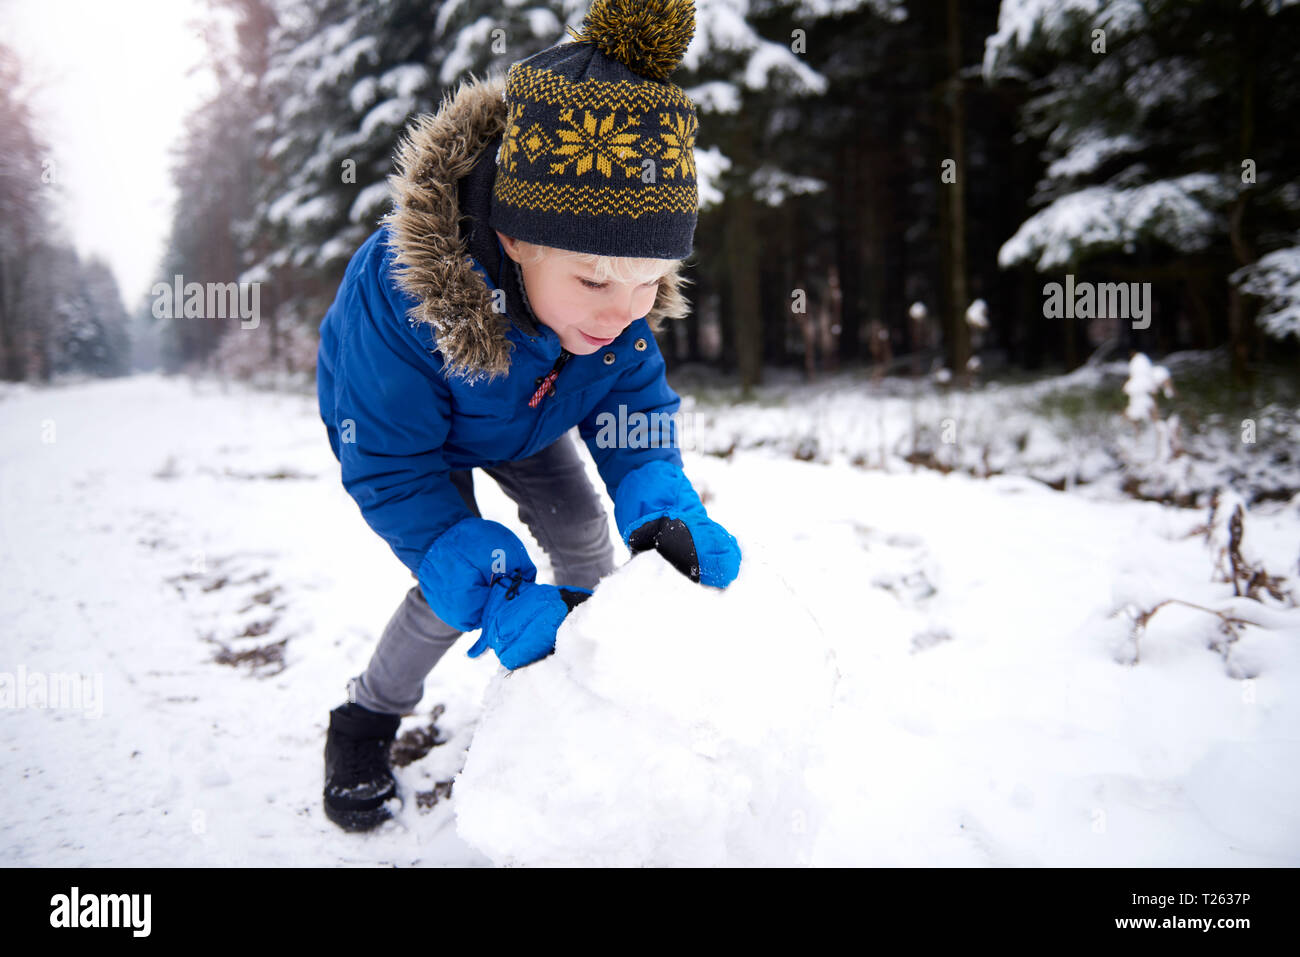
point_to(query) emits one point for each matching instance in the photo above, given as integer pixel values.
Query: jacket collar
(437, 231)
(474, 195)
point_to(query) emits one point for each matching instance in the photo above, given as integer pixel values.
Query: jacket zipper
(546, 384)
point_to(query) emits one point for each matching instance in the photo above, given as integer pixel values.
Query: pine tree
(746, 87)
(215, 172)
(1153, 120)
(24, 223)
(343, 79)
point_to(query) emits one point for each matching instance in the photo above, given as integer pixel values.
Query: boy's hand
(683, 540)
(656, 507)
(521, 618)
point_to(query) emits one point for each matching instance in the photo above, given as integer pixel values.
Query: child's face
(585, 318)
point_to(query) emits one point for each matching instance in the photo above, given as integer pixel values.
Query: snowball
(672, 727)
(1247, 791)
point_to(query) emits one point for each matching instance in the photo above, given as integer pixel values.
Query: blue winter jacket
(407, 355)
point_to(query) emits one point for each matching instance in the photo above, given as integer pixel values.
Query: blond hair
(670, 301)
(617, 269)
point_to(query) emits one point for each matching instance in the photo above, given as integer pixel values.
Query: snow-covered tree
(23, 223)
(89, 332)
(1157, 121)
(215, 172)
(1102, 84)
(755, 70)
(1276, 279)
(343, 77)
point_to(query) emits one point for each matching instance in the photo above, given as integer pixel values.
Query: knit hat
(598, 152)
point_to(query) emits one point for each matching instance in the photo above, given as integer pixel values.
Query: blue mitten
(656, 507)
(521, 618)
(456, 573)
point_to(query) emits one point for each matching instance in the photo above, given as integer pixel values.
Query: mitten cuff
(657, 489)
(456, 572)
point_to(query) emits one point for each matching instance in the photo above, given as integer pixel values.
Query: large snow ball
(672, 727)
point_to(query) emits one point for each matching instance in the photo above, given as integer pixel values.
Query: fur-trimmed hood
(435, 266)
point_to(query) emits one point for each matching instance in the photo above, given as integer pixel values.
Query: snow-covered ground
(1063, 430)
(914, 668)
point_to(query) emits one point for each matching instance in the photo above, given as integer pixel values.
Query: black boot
(358, 781)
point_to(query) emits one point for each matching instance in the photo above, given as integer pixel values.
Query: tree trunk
(1071, 334)
(846, 256)
(742, 260)
(1241, 313)
(871, 187)
(832, 319)
(954, 193)
(6, 326)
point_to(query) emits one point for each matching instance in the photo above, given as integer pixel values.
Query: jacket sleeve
(393, 409)
(632, 427)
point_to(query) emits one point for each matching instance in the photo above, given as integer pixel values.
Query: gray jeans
(558, 505)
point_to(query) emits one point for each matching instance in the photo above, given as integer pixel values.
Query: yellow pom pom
(649, 37)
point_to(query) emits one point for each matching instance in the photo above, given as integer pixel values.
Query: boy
(513, 292)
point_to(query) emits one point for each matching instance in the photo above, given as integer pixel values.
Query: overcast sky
(112, 96)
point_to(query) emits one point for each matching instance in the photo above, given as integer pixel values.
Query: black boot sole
(361, 815)
(354, 820)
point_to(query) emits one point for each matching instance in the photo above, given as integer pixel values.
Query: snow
(405, 80)
(1144, 381)
(1167, 80)
(1009, 428)
(681, 742)
(388, 115)
(1020, 21)
(721, 26)
(1179, 211)
(363, 94)
(993, 704)
(710, 164)
(773, 186)
(446, 12)
(278, 148)
(1089, 151)
(1275, 277)
(369, 202)
(771, 59)
(295, 107)
(291, 208)
(340, 247)
(894, 11)
(465, 52)
(715, 96)
(1229, 506)
(336, 66)
(543, 23)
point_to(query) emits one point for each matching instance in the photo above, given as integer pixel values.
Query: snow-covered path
(150, 525)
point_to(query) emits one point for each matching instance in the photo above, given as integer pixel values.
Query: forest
(883, 184)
